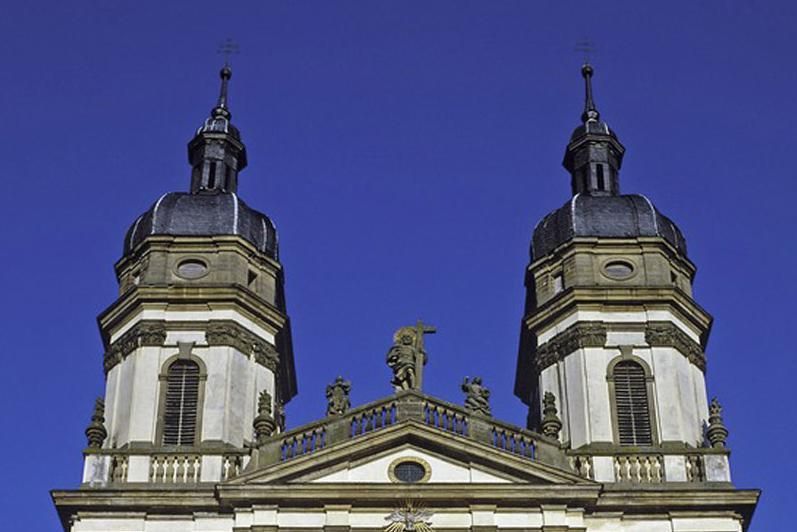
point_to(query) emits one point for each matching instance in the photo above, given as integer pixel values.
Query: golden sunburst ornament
(409, 518)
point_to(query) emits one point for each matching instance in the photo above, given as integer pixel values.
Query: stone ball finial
(264, 424)
(551, 424)
(96, 431)
(717, 432)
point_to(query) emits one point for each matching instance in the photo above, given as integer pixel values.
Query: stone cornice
(577, 336)
(207, 297)
(613, 298)
(233, 334)
(667, 334)
(197, 244)
(152, 333)
(649, 244)
(184, 500)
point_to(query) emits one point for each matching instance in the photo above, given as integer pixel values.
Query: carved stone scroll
(583, 334)
(234, 335)
(667, 334)
(143, 333)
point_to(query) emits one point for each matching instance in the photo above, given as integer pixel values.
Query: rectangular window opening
(601, 182)
(558, 283)
(212, 175)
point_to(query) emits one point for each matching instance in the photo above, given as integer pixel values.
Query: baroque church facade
(191, 435)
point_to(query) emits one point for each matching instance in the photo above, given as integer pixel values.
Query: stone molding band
(594, 333)
(217, 333)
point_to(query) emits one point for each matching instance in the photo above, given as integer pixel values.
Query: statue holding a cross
(407, 356)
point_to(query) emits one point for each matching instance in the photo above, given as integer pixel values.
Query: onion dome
(624, 216)
(207, 214)
(212, 206)
(597, 209)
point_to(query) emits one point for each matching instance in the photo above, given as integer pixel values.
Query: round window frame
(183, 260)
(614, 260)
(427, 469)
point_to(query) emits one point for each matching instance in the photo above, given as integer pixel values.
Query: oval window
(192, 269)
(409, 471)
(618, 269)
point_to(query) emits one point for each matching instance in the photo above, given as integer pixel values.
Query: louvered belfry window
(631, 401)
(181, 404)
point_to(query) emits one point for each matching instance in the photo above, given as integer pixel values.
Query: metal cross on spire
(590, 110)
(586, 47)
(228, 48)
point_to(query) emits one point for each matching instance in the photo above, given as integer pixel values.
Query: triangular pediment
(372, 458)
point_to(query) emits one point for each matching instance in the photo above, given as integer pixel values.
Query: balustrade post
(338, 430)
(409, 407)
(96, 469)
(270, 453)
(480, 429)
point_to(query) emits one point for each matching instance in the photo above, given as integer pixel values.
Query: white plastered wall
(519, 519)
(580, 384)
(442, 471)
(582, 395)
(231, 389)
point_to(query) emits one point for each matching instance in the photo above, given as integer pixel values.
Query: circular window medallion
(618, 269)
(409, 470)
(192, 269)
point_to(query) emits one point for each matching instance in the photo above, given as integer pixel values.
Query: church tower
(199, 331)
(611, 328)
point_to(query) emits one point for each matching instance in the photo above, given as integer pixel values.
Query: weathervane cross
(228, 48)
(585, 47)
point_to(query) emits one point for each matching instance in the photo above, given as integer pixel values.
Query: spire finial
(590, 113)
(221, 106)
(227, 48)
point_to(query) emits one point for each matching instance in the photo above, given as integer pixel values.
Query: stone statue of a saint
(407, 356)
(477, 396)
(338, 401)
(403, 357)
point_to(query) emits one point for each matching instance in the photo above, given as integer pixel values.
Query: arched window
(181, 403)
(631, 404)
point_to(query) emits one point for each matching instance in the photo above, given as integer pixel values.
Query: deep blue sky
(405, 151)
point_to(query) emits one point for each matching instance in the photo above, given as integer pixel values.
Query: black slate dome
(204, 214)
(622, 216)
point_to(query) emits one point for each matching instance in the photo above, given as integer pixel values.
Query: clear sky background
(405, 151)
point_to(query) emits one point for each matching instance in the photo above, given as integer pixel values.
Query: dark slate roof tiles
(623, 216)
(185, 214)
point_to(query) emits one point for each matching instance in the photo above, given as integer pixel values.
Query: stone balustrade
(607, 464)
(175, 468)
(439, 416)
(652, 466)
(119, 466)
(405, 406)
